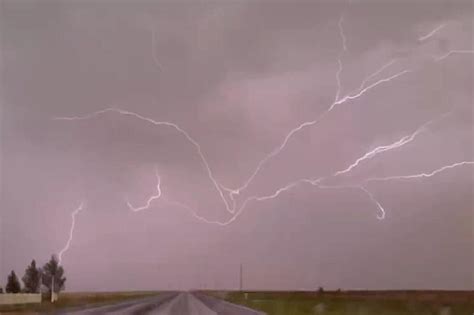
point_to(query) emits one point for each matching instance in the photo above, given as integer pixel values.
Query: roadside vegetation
(356, 302)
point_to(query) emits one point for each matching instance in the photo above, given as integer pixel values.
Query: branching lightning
(371, 86)
(397, 144)
(454, 52)
(338, 101)
(278, 192)
(231, 207)
(306, 124)
(248, 200)
(71, 232)
(318, 183)
(160, 123)
(151, 198)
(430, 34)
(421, 175)
(376, 73)
(219, 187)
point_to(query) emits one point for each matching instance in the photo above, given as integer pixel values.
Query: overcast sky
(237, 77)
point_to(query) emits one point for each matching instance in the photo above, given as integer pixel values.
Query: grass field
(71, 300)
(356, 303)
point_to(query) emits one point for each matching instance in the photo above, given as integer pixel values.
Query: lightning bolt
(71, 232)
(397, 144)
(159, 195)
(160, 123)
(339, 59)
(376, 73)
(371, 86)
(153, 49)
(151, 198)
(318, 182)
(277, 193)
(381, 215)
(231, 208)
(193, 212)
(240, 210)
(421, 175)
(430, 34)
(453, 52)
(379, 206)
(338, 100)
(307, 124)
(342, 34)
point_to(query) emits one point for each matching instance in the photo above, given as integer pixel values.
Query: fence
(19, 298)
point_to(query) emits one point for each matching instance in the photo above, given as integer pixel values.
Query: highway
(170, 304)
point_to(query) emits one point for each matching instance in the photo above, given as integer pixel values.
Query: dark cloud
(238, 77)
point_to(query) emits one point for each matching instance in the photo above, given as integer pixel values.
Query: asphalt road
(171, 304)
(225, 308)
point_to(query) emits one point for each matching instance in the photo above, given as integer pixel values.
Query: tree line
(50, 276)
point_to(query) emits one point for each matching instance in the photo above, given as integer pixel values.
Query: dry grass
(357, 302)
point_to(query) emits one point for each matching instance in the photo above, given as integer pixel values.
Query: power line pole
(52, 289)
(241, 284)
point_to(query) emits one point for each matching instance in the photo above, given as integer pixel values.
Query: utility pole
(241, 284)
(52, 289)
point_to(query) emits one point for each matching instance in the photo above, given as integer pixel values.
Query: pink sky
(237, 77)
